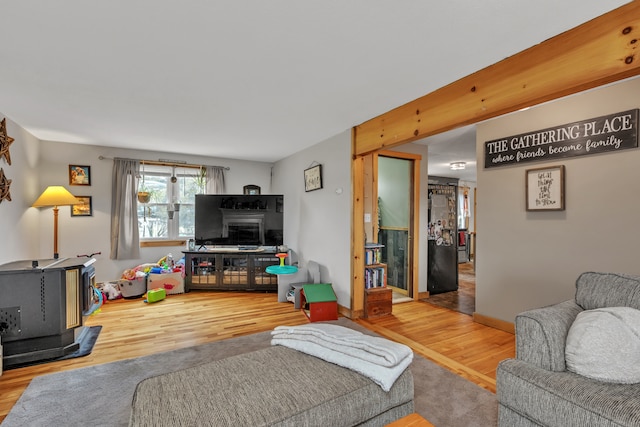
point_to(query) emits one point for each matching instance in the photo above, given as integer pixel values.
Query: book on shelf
(372, 254)
(374, 277)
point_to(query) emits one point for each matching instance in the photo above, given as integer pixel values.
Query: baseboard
(423, 295)
(494, 323)
(348, 313)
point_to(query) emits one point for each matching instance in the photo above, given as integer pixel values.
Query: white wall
(532, 259)
(19, 226)
(318, 223)
(37, 164)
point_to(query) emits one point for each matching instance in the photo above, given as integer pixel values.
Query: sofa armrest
(541, 334)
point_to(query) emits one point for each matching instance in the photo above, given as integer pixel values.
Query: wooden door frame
(414, 213)
(598, 52)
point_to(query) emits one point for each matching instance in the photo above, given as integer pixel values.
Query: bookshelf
(378, 297)
(375, 272)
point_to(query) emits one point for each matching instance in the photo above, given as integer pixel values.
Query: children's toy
(281, 268)
(172, 283)
(155, 295)
(133, 288)
(111, 290)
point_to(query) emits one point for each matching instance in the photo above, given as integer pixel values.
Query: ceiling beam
(597, 52)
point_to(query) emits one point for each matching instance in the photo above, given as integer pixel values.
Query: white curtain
(215, 180)
(125, 240)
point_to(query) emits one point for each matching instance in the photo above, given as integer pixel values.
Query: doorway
(396, 195)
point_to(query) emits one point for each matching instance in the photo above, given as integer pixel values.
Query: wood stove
(42, 304)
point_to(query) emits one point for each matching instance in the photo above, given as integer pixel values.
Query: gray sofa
(536, 389)
(276, 386)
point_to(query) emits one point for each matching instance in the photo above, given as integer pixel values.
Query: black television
(239, 219)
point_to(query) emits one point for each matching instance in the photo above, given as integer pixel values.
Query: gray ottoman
(276, 386)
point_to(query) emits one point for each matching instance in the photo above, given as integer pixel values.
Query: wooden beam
(597, 52)
(357, 235)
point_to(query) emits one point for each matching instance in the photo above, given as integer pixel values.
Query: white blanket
(379, 359)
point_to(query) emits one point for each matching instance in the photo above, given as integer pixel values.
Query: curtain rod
(166, 162)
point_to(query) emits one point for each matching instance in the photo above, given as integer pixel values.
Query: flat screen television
(239, 219)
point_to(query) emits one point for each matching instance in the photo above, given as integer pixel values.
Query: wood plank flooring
(464, 299)
(131, 328)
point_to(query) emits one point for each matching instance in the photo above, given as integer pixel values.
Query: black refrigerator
(442, 270)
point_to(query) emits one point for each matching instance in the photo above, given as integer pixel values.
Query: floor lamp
(55, 195)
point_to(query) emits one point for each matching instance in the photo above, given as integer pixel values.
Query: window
(169, 214)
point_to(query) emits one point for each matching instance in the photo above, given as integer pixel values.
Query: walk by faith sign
(593, 136)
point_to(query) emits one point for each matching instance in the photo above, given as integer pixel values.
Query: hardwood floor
(464, 299)
(131, 328)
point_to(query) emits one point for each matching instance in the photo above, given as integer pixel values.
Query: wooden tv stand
(230, 269)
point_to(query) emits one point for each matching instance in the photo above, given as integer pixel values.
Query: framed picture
(313, 178)
(79, 175)
(251, 189)
(545, 188)
(84, 208)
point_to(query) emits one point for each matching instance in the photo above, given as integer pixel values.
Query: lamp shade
(55, 195)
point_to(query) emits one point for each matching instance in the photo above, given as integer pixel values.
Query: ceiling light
(456, 166)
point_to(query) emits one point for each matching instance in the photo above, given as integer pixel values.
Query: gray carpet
(101, 395)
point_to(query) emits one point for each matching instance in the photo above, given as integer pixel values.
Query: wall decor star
(5, 142)
(5, 183)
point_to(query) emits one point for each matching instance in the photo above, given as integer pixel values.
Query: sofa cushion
(598, 290)
(564, 398)
(276, 386)
(604, 344)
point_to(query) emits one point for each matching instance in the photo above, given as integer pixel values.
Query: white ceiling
(254, 80)
(457, 145)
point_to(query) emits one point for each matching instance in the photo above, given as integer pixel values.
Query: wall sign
(545, 188)
(593, 136)
(313, 178)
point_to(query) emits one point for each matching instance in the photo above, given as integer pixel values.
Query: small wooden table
(411, 420)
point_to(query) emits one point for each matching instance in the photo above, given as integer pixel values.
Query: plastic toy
(155, 295)
(281, 269)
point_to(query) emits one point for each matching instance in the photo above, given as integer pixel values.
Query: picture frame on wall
(545, 188)
(84, 208)
(313, 178)
(79, 175)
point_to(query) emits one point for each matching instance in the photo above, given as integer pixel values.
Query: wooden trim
(159, 243)
(357, 237)
(494, 323)
(423, 295)
(346, 312)
(399, 155)
(595, 53)
(415, 234)
(411, 420)
(414, 218)
(373, 197)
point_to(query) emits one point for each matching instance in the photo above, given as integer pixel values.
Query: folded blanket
(349, 349)
(377, 350)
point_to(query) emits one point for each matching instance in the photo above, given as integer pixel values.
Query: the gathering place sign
(593, 136)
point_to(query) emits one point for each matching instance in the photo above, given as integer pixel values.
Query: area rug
(86, 340)
(101, 395)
